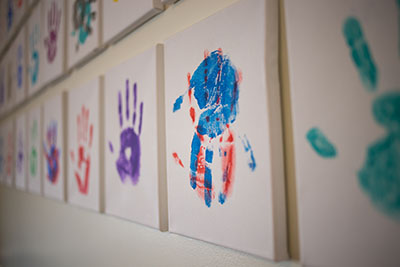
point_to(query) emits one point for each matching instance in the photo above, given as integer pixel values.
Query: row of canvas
(57, 35)
(116, 141)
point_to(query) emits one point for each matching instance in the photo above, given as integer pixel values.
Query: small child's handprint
(53, 24)
(128, 162)
(84, 137)
(33, 159)
(52, 153)
(82, 20)
(20, 153)
(34, 68)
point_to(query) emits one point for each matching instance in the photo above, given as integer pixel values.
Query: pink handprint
(84, 137)
(53, 25)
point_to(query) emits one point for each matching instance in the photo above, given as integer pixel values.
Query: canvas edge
(279, 223)
(161, 140)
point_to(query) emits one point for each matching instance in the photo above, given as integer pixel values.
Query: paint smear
(380, 175)
(247, 148)
(178, 103)
(177, 159)
(360, 53)
(320, 143)
(82, 20)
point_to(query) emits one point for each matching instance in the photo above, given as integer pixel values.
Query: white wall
(35, 231)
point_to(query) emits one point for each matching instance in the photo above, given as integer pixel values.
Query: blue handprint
(128, 162)
(10, 14)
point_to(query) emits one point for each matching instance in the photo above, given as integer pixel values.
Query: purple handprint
(53, 24)
(128, 162)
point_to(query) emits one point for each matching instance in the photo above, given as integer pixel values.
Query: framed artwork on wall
(82, 29)
(35, 29)
(224, 140)
(131, 165)
(345, 113)
(53, 147)
(53, 39)
(20, 157)
(34, 159)
(84, 145)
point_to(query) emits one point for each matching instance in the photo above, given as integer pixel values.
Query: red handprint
(84, 138)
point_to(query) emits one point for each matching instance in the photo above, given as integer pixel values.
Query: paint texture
(82, 17)
(53, 26)
(380, 175)
(321, 144)
(20, 153)
(360, 53)
(52, 153)
(34, 37)
(33, 158)
(128, 161)
(215, 86)
(84, 141)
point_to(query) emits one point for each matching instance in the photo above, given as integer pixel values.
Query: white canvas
(18, 69)
(53, 150)
(83, 145)
(220, 177)
(9, 144)
(344, 82)
(9, 82)
(34, 172)
(35, 56)
(83, 35)
(20, 152)
(131, 167)
(122, 15)
(52, 42)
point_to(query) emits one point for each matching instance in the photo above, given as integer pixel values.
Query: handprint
(216, 88)
(84, 137)
(51, 152)
(128, 162)
(33, 159)
(20, 66)
(53, 24)
(379, 176)
(10, 14)
(82, 19)
(34, 68)
(20, 153)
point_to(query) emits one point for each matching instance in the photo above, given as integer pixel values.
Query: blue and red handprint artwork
(214, 86)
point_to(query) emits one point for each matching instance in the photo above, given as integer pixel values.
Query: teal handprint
(379, 176)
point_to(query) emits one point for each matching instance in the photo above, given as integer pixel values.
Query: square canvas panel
(225, 165)
(345, 93)
(53, 147)
(52, 42)
(18, 68)
(9, 82)
(131, 165)
(9, 145)
(124, 15)
(83, 145)
(35, 29)
(34, 172)
(20, 152)
(82, 29)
